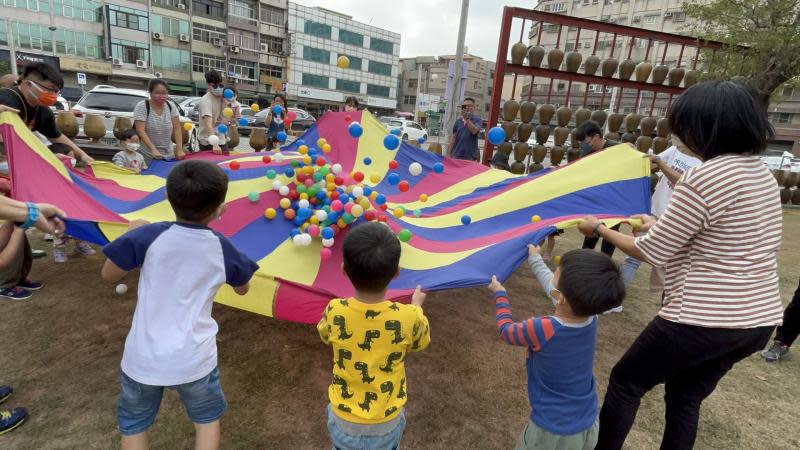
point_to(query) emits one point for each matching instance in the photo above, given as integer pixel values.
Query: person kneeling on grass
(561, 387)
(172, 342)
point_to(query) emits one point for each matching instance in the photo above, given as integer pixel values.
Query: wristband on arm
(33, 216)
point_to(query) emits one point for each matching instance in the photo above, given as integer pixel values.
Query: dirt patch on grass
(61, 352)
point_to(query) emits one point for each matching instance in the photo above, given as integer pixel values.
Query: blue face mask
(4, 167)
(585, 148)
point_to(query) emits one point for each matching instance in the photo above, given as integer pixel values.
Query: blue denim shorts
(365, 439)
(138, 403)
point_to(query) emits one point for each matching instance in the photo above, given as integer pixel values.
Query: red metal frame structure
(538, 18)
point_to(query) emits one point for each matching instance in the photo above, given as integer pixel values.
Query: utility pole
(454, 102)
(12, 53)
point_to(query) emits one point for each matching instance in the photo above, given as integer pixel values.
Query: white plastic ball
(327, 242)
(306, 239)
(358, 192)
(297, 239)
(284, 190)
(276, 185)
(303, 203)
(415, 169)
(122, 288)
(213, 140)
(277, 157)
(321, 215)
(336, 168)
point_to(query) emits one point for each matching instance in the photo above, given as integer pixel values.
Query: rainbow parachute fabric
(294, 282)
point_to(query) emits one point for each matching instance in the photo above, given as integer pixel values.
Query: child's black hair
(590, 281)
(371, 256)
(195, 189)
(44, 72)
(588, 129)
(213, 77)
(128, 134)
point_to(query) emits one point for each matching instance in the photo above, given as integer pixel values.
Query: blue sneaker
(5, 392)
(15, 293)
(10, 420)
(30, 285)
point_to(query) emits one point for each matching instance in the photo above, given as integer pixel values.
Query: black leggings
(790, 329)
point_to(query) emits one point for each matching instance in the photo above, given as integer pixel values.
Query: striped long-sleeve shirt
(718, 240)
(561, 387)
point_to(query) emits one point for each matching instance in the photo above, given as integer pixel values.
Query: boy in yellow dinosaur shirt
(371, 337)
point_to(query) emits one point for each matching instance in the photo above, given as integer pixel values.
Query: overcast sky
(430, 27)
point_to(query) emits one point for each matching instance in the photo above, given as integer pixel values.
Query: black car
(302, 122)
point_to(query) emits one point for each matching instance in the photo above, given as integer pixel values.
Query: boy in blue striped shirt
(561, 386)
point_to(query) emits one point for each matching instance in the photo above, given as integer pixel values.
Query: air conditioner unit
(217, 42)
(233, 49)
(637, 19)
(668, 14)
(264, 48)
(183, 38)
(117, 61)
(157, 36)
(141, 64)
(158, 74)
(181, 5)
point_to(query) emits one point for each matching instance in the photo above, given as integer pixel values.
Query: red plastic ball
(334, 195)
(393, 164)
(308, 182)
(384, 207)
(289, 214)
(347, 118)
(313, 200)
(382, 218)
(320, 161)
(369, 215)
(338, 181)
(301, 177)
(266, 159)
(358, 176)
(403, 186)
(293, 195)
(234, 165)
(335, 229)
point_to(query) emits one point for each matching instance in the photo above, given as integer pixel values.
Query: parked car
(302, 122)
(111, 102)
(189, 106)
(408, 129)
(250, 116)
(61, 105)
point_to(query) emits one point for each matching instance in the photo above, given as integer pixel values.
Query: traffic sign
(81, 78)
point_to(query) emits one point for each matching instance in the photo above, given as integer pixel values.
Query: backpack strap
(147, 107)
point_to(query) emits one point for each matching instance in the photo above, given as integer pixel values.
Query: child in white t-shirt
(129, 157)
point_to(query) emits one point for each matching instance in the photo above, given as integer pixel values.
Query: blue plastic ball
(367, 161)
(298, 220)
(421, 140)
(466, 219)
(300, 142)
(242, 122)
(222, 128)
(355, 129)
(305, 213)
(393, 178)
(391, 142)
(438, 167)
(294, 232)
(496, 135)
(312, 152)
(289, 173)
(327, 233)
(380, 199)
(281, 136)
(321, 195)
(277, 109)
(228, 94)
(395, 131)
(367, 191)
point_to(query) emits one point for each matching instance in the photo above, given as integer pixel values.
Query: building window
(348, 37)
(170, 3)
(242, 11)
(570, 46)
(132, 19)
(171, 58)
(272, 15)
(409, 99)
(203, 63)
(379, 45)
(348, 86)
(35, 37)
(88, 11)
(781, 117)
(30, 5)
(317, 29)
(788, 91)
(274, 44)
(374, 89)
(271, 71)
(209, 8)
(679, 16)
(129, 51)
(550, 28)
(412, 83)
(649, 19)
(243, 39)
(168, 26)
(355, 61)
(77, 43)
(380, 68)
(475, 85)
(315, 80)
(3, 33)
(316, 55)
(244, 70)
(207, 33)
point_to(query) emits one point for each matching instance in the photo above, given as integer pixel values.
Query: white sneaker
(618, 309)
(59, 255)
(84, 248)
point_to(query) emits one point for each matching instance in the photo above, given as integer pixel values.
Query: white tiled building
(318, 37)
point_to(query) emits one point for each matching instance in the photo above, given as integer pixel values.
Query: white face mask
(132, 147)
(217, 91)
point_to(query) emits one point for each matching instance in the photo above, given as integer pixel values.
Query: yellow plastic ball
(314, 220)
(375, 178)
(423, 197)
(285, 203)
(399, 212)
(365, 203)
(330, 177)
(343, 62)
(557, 259)
(373, 195)
(326, 148)
(303, 149)
(321, 142)
(356, 210)
(270, 213)
(303, 196)
(340, 223)
(535, 218)
(227, 112)
(187, 126)
(330, 186)
(255, 108)
(307, 160)
(304, 226)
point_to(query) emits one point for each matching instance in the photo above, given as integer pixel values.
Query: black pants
(790, 329)
(689, 360)
(606, 247)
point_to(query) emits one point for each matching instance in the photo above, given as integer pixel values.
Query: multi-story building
(126, 42)
(424, 84)
(315, 82)
(658, 15)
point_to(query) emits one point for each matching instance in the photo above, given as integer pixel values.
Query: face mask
(159, 98)
(217, 91)
(45, 98)
(132, 147)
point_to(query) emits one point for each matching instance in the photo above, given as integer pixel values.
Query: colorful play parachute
(460, 222)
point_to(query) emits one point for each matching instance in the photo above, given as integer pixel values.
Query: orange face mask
(45, 98)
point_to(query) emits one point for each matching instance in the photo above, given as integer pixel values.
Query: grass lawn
(61, 352)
